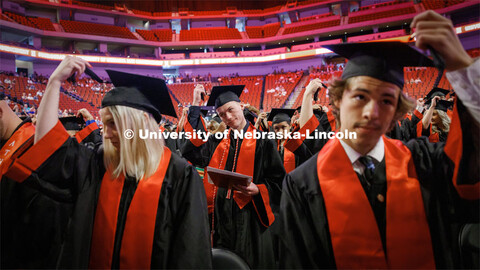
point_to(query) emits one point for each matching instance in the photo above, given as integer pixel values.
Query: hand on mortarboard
(87, 116)
(313, 86)
(436, 31)
(197, 94)
(67, 67)
(434, 101)
(420, 102)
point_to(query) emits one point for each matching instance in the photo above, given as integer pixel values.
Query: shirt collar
(378, 152)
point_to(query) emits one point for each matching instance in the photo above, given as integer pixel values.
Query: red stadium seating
(325, 76)
(163, 35)
(438, 4)
(43, 23)
(381, 14)
(276, 99)
(207, 13)
(20, 19)
(147, 35)
(301, 27)
(141, 12)
(96, 29)
(268, 30)
(212, 33)
(162, 14)
(261, 11)
(92, 5)
(253, 88)
(420, 80)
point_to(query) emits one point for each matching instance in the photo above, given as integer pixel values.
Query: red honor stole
(356, 241)
(16, 144)
(245, 162)
(137, 241)
(288, 159)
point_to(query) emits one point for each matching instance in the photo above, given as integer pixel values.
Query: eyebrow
(368, 92)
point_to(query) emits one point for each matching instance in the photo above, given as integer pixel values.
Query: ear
(242, 106)
(337, 103)
(1, 112)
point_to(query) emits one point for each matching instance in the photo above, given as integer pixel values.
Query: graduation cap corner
(381, 60)
(220, 95)
(140, 92)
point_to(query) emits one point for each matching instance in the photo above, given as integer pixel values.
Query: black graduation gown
(406, 129)
(90, 136)
(73, 173)
(241, 230)
(32, 224)
(305, 234)
(305, 147)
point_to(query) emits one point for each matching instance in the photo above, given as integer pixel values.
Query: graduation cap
(435, 92)
(88, 72)
(140, 92)
(279, 115)
(221, 95)
(444, 105)
(381, 60)
(249, 115)
(72, 122)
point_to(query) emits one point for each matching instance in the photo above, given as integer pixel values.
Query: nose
(371, 110)
(228, 116)
(107, 132)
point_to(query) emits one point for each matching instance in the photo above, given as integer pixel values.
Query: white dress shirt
(377, 153)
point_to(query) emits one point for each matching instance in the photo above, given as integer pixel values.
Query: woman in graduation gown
(436, 123)
(136, 204)
(418, 195)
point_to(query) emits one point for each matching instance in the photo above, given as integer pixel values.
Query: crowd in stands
(279, 85)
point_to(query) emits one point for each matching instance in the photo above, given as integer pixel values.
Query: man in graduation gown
(241, 217)
(126, 214)
(374, 202)
(281, 119)
(310, 121)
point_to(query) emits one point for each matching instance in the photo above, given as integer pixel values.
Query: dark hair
(337, 87)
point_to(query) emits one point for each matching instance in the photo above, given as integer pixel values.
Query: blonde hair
(138, 158)
(445, 122)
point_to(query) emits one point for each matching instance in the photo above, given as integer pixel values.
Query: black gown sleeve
(196, 150)
(182, 229)
(304, 236)
(58, 166)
